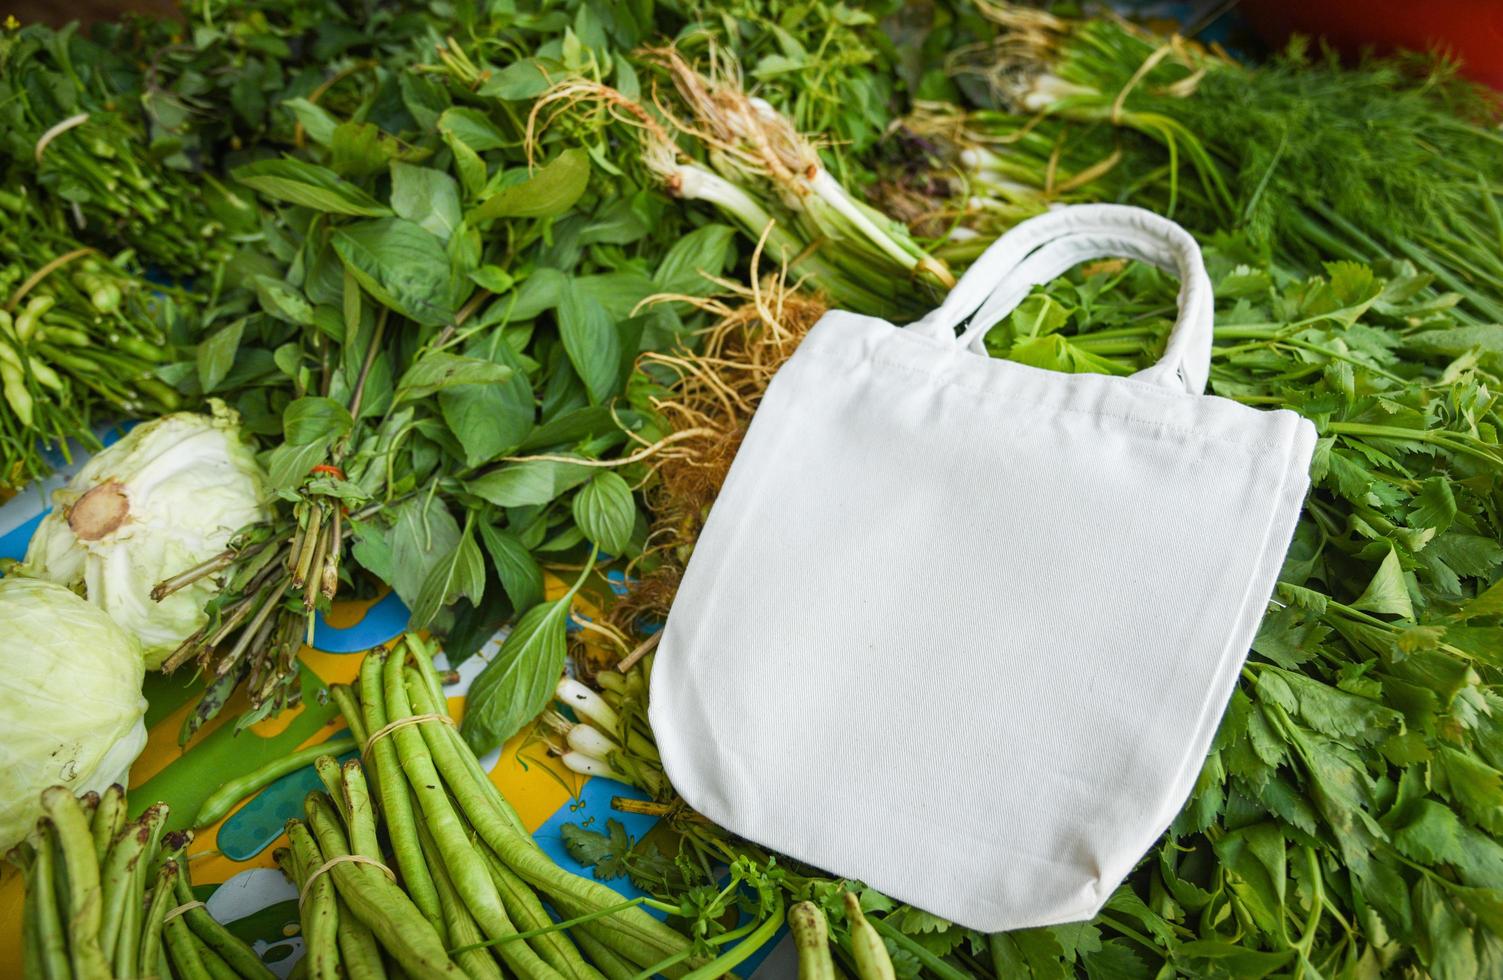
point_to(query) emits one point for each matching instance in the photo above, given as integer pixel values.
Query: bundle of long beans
(68, 135)
(460, 891)
(110, 897)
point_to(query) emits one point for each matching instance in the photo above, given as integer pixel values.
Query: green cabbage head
(166, 497)
(71, 708)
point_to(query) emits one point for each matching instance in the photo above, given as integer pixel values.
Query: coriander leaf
(1332, 711)
(1445, 945)
(1475, 786)
(1116, 960)
(1289, 637)
(1488, 603)
(531, 482)
(546, 194)
(401, 265)
(592, 343)
(1434, 505)
(1210, 957)
(310, 186)
(605, 854)
(1387, 593)
(520, 574)
(1429, 832)
(604, 511)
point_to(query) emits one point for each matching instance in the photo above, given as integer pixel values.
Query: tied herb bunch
(1394, 158)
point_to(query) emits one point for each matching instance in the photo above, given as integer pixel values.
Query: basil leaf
(216, 355)
(315, 120)
(516, 82)
(540, 291)
(311, 418)
(359, 149)
(472, 128)
(461, 574)
(401, 265)
(519, 681)
(439, 370)
(593, 345)
(310, 186)
(288, 464)
(704, 252)
(548, 193)
(532, 482)
(424, 534)
(283, 301)
(604, 511)
(490, 420)
(520, 574)
(372, 549)
(427, 196)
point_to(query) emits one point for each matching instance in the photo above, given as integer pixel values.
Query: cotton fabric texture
(962, 628)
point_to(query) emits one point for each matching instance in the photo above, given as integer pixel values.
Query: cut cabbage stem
(100, 511)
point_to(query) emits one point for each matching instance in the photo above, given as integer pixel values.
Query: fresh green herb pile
(1390, 159)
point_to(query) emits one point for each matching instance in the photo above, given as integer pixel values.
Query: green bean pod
(349, 706)
(316, 906)
(226, 944)
(162, 896)
(461, 857)
(477, 964)
(522, 905)
(109, 819)
(396, 801)
(867, 947)
(636, 934)
(16, 395)
(359, 953)
(85, 897)
(187, 964)
(224, 799)
(605, 960)
(811, 936)
(328, 773)
(26, 323)
(52, 937)
(384, 908)
(126, 852)
(361, 815)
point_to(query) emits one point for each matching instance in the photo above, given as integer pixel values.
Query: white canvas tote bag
(963, 628)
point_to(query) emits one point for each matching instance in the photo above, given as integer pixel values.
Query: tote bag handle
(1042, 248)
